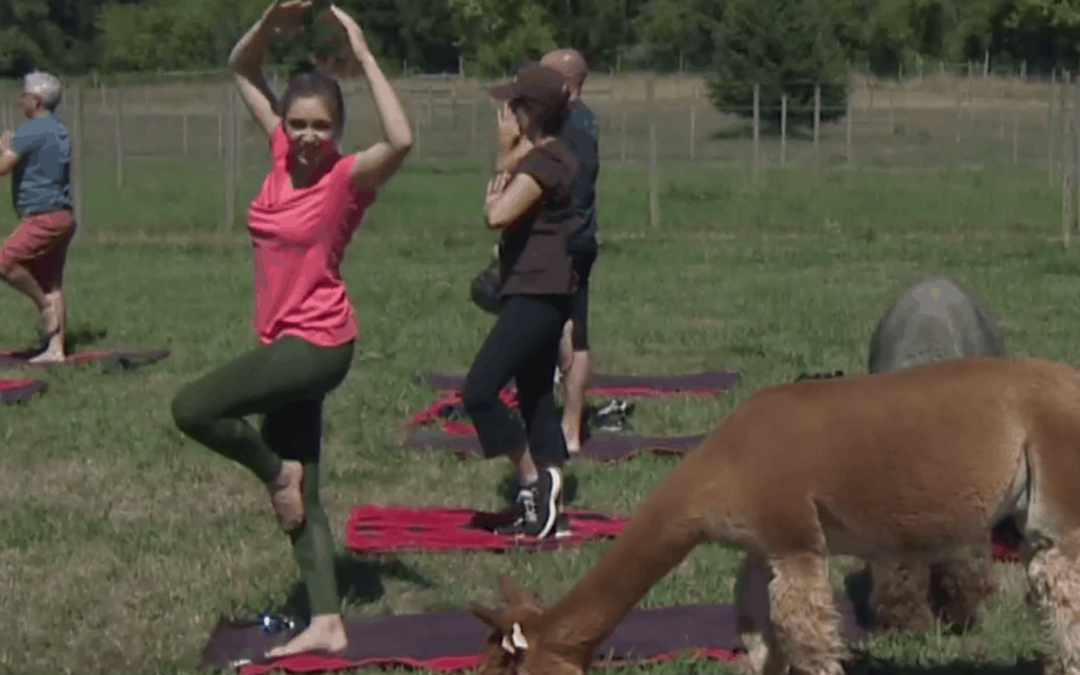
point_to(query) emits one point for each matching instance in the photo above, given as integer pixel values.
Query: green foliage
(494, 35)
(28, 37)
(786, 48)
(679, 32)
(72, 37)
(163, 35)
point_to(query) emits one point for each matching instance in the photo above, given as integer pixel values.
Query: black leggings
(523, 345)
(285, 381)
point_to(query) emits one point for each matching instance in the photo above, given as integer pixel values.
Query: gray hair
(45, 86)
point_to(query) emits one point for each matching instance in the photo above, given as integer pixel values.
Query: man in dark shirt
(579, 132)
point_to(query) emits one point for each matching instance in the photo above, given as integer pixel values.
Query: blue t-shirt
(42, 178)
(579, 132)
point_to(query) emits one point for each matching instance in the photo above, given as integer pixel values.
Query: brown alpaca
(910, 596)
(913, 465)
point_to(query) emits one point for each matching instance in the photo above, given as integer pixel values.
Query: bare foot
(51, 355)
(573, 444)
(285, 495)
(326, 633)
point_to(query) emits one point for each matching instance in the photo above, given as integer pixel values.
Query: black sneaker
(537, 505)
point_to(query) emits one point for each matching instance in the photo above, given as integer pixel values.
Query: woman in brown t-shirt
(533, 208)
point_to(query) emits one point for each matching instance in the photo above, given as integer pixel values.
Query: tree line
(792, 48)
(489, 37)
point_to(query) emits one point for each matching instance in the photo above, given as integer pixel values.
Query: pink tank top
(298, 239)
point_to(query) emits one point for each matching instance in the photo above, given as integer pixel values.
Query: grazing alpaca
(917, 464)
(934, 320)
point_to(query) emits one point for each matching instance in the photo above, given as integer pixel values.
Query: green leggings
(286, 381)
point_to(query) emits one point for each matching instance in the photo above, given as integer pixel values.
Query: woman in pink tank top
(310, 204)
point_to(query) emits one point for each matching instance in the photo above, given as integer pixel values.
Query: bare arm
(509, 199)
(378, 163)
(508, 159)
(249, 55)
(9, 159)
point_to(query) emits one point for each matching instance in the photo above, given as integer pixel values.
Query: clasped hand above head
(286, 19)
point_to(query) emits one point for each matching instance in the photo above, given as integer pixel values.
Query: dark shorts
(579, 301)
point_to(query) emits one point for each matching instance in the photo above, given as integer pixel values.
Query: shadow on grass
(83, 336)
(359, 581)
(74, 340)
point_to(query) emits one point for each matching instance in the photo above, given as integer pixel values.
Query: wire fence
(927, 122)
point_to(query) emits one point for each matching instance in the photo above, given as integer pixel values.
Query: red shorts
(40, 243)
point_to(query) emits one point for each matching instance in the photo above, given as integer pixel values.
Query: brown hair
(308, 82)
(548, 119)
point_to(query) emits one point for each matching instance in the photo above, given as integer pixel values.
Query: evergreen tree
(786, 47)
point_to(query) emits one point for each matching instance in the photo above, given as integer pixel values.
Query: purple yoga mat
(703, 381)
(425, 638)
(602, 446)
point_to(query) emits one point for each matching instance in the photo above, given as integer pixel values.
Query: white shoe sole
(553, 500)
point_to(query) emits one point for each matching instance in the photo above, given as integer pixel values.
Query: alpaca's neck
(658, 537)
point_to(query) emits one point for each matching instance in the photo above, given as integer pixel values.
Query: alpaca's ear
(495, 619)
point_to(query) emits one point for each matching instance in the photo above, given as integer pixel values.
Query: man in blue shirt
(579, 132)
(38, 155)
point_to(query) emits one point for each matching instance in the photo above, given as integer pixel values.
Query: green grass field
(121, 542)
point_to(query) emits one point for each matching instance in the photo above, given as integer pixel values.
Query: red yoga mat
(21, 389)
(375, 529)
(379, 529)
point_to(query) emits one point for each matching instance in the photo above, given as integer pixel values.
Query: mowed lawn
(121, 542)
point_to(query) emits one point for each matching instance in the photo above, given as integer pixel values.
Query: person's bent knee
(186, 414)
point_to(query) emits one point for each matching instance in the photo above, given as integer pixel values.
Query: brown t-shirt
(533, 256)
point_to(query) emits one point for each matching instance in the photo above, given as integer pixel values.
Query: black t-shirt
(579, 132)
(533, 256)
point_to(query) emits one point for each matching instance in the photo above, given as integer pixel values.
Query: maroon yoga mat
(706, 383)
(601, 446)
(123, 359)
(453, 641)
(19, 390)
(375, 529)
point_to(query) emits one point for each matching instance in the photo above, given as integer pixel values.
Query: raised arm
(281, 19)
(9, 157)
(377, 164)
